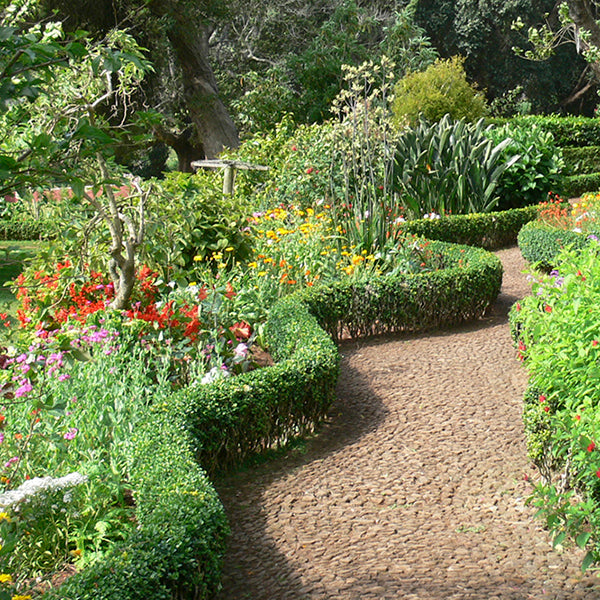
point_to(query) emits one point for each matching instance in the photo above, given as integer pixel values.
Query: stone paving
(414, 489)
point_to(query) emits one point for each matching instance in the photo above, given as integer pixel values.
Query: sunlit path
(414, 489)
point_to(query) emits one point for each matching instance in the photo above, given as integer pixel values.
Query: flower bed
(558, 226)
(220, 424)
(557, 333)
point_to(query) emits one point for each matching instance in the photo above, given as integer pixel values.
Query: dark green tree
(482, 32)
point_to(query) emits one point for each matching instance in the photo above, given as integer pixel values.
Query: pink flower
(24, 389)
(71, 433)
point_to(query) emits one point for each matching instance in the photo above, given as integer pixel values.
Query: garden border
(181, 541)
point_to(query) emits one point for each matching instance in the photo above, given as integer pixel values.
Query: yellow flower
(197, 258)
(4, 516)
(253, 265)
(229, 249)
(192, 283)
(5, 578)
(20, 597)
(261, 273)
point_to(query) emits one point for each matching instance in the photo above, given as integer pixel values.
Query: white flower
(36, 485)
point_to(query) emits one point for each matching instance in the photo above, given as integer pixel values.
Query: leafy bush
(536, 172)
(449, 167)
(439, 90)
(558, 338)
(584, 160)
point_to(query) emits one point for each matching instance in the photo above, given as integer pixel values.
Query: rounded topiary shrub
(439, 90)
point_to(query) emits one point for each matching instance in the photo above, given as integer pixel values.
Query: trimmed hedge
(180, 543)
(582, 160)
(576, 185)
(541, 243)
(26, 229)
(462, 290)
(567, 131)
(487, 230)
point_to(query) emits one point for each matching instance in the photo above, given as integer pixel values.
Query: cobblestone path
(414, 489)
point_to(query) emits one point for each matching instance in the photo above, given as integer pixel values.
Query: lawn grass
(13, 255)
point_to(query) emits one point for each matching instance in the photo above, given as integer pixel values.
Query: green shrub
(583, 160)
(439, 90)
(180, 541)
(536, 172)
(576, 185)
(26, 228)
(541, 243)
(449, 167)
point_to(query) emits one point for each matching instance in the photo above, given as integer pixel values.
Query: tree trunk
(189, 38)
(583, 16)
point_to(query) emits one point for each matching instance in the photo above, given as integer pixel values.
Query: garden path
(414, 489)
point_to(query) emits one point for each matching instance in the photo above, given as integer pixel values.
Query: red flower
(598, 473)
(309, 170)
(518, 306)
(594, 343)
(202, 294)
(542, 398)
(229, 293)
(577, 417)
(548, 308)
(547, 408)
(591, 447)
(241, 330)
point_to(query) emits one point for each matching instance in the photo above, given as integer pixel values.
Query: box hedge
(541, 243)
(567, 131)
(485, 230)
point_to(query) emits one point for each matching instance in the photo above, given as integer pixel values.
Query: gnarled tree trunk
(189, 38)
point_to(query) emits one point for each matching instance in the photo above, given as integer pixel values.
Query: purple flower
(25, 388)
(71, 433)
(1, 437)
(11, 461)
(593, 237)
(64, 377)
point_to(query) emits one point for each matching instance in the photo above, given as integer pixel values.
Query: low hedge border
(576, 185)
(26, 229)
(582, 160)
(541, 243)
(485, 230)
(178, 548)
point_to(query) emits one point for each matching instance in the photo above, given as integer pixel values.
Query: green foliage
(482, 33)
(584, 160)
(541, 243)
(567, 131)
(536, 172)
(448, 167)
(557, 332)
(576, 185)
(490, 230)
(178, 548)
(439, 90)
